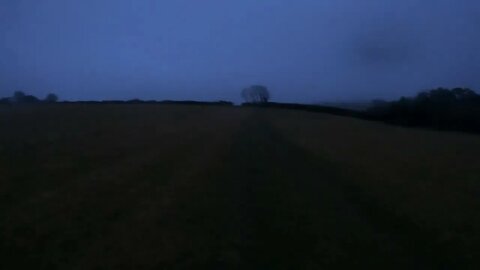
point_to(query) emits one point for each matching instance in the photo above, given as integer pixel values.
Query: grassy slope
(182, 187)
(431, 179)
(73, 175)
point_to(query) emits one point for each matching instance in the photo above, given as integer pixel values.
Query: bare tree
(256, 94)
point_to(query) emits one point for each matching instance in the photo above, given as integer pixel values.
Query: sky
(303, 50)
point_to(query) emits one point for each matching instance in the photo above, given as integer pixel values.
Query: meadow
(150, 186)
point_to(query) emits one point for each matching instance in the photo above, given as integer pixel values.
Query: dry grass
(195, 187)
(79, 180)
(431, 177)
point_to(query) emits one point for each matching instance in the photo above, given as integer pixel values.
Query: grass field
(198, 187)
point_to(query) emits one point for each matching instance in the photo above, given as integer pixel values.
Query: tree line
(441, 108)
(255, 94)
(21, 97)
(140, 101)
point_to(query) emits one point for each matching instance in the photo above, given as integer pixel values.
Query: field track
(192, 187)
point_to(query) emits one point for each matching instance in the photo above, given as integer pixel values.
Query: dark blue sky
(303, 50)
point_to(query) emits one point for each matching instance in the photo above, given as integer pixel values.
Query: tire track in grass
(272, 205)
(268, 205)
(423, 247)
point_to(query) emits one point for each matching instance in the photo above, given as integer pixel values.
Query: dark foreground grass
(189, 187)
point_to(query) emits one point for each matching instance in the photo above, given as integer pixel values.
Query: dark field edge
(363, 115)
(310, 108)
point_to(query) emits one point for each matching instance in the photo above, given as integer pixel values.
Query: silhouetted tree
(18, 96)
(465, 94)
(256, 94)
(21, 97)
(51, 98)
